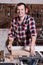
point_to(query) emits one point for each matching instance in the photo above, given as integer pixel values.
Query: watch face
(42, 32)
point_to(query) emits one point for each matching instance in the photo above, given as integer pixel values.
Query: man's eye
(21, 9)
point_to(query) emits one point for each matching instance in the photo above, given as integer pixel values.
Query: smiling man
(23, 29)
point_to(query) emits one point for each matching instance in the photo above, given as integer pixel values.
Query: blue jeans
(32, 62)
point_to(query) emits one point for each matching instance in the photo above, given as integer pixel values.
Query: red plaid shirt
(23, 31)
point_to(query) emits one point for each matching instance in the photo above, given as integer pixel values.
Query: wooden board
(20, 53)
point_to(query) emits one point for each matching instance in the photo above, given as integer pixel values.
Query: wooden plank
(17, 53)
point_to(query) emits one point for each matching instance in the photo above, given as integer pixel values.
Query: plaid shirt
(23, 31)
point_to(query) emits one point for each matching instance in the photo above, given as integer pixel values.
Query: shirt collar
(25, 17)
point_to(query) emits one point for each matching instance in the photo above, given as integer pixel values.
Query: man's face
(21, 10)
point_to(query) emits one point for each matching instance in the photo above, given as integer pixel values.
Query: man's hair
(19, 4)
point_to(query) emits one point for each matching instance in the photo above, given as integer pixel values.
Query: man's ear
(27, 10)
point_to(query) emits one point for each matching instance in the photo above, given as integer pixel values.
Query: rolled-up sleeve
(32, 27)
(12, 31)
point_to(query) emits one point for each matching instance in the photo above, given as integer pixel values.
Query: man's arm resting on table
(10, 42)
(11, 39)
(32, 46)
(33, 40)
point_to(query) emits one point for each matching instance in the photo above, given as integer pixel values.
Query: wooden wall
(7, 12)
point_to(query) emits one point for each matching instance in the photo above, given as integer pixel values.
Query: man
(23, 28)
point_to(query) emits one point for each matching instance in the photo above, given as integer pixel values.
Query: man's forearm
(33, 40)
(11, 40)
(32, 46)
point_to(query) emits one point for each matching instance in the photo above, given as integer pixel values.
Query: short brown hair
(19, 4)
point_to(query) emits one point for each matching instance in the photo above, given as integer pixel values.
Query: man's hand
(32, 50)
